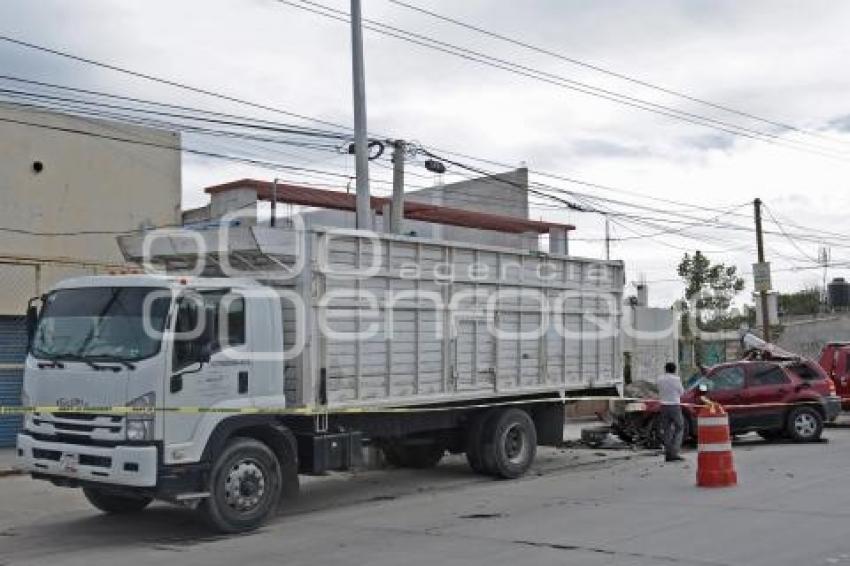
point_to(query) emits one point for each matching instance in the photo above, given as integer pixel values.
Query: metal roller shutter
(13, 340)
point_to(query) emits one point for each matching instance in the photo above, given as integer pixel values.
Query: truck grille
(78, 428)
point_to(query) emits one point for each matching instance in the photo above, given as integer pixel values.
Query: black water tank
(839, 293)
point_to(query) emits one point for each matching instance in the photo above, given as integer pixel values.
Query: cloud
(608, 149)
(737, 54)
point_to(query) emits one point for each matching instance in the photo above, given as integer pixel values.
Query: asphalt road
(578, 507)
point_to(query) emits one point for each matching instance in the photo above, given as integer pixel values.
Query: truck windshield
(101, 323)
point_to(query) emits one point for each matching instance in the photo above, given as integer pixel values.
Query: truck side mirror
(31, 322)
(205, 352)
(208, 340)
(703, 387)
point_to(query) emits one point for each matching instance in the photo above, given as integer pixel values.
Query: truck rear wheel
(510, 443)
(113, 503)
(245, 487)
(475, 442)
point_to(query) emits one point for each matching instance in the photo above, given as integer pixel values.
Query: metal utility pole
(397, 210)
(607, 239)
(361, 142)
(762, 287)
(273, 221)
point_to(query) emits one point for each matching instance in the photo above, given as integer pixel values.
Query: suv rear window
(807, 371)
(768, 375)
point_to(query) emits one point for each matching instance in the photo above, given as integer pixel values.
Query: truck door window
(185, 328)
(768, 374)
(234, 308)
(226, 311)
(727, 379)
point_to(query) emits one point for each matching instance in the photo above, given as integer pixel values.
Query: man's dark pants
(672, 428)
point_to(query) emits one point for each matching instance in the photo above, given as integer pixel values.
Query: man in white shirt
(672, 424)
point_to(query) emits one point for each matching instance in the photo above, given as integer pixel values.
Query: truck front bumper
(133, 466)
(832, 406)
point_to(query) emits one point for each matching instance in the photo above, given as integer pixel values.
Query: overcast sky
(786, 61)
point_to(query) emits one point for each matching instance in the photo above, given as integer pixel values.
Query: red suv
(773, 398)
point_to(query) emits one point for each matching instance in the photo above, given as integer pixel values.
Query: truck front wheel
(245, 487)
(510, 444)
(114, 503)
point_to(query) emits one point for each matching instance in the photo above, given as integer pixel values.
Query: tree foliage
(709, 287)
(807, 301)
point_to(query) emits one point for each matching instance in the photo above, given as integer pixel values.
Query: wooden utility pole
(765, 311)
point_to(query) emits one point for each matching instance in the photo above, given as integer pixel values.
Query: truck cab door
(216, 378)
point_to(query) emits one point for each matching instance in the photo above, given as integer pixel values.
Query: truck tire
(510, 443)
(417, 456)
(804, 424)
(475, 442)
(115, 504)
(653, 436)
(245, 487)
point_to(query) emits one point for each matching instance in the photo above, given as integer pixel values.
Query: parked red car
(835, 361)
(773, 398)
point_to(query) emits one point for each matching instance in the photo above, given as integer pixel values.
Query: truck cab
(835, 361)
(109, 353)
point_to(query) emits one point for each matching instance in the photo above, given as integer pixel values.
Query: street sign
(761, 276)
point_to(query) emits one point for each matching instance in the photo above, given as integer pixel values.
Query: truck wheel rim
(244, 486)
(805, 425)
(515, 442)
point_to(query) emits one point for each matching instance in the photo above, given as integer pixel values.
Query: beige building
(67, 184)
(62, 176)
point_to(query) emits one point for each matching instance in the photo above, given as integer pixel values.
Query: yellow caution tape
(325, 410)
(315, 410)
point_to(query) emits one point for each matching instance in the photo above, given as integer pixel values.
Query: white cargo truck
(284, 351)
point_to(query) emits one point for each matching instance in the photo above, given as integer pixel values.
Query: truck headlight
(26, 402)
(139, 430)
(140, 417)
(636, 407)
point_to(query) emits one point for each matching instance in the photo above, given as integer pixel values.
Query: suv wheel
(804, 424)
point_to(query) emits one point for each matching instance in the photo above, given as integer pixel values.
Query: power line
(787, 237)
(563, 82)
(169, 82)
(249, 103)
(205, 91)
(611, 73)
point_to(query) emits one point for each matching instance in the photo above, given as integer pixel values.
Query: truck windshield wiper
(85, 360)
(51, 362)
(106, 358)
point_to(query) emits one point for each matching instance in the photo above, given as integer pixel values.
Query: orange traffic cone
(714, 460)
